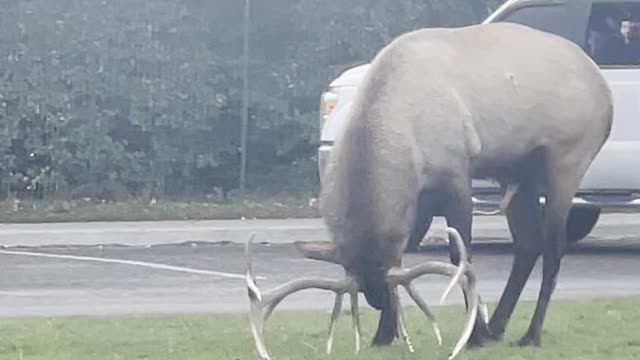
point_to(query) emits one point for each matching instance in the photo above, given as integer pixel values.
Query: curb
(486, 229)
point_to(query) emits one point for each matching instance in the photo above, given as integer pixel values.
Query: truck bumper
(323, 157)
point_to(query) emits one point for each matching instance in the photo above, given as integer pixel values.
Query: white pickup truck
(613, 180)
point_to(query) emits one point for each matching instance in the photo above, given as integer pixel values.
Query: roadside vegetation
(246, 207)
(586, 330)
(128, 101)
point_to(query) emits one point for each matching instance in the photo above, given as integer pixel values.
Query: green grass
(594, 329)
(250, 207)
(82, 211)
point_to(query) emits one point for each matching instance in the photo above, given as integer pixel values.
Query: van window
(613, 35)
(564, 18)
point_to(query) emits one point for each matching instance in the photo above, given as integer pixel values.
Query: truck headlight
(329, 100)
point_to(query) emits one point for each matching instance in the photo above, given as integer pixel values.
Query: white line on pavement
(129, 262)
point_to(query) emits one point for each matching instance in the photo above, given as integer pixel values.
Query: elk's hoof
(529, 340)
(477, 342)
(495, 337)
(480, 337)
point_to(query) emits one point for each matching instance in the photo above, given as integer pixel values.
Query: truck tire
(582, 219)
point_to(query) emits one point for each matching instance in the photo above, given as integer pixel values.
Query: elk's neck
(368, 198)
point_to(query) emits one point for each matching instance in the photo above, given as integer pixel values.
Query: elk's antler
(462, 274)
(263, 303)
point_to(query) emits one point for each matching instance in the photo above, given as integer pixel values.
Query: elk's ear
(319, 250)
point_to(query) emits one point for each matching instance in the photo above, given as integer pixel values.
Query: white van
(600, 28)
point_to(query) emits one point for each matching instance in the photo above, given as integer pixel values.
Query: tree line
(129, 99)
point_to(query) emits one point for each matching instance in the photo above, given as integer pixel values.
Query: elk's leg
(525, 223)
(420, 229)
(560, 192)
(422, 222)
(464, 275)
(388, 324)
(458, 212)
(379, 296)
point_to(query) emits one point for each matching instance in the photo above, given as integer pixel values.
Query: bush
(131, 98)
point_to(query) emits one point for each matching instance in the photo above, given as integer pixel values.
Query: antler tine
(463, 274)
(470, 292)
(401, 320)
(337, 308)
(413, 293)
(355, 317)
(256, 315)
(263, 303)
(462, 265)
(484, 310)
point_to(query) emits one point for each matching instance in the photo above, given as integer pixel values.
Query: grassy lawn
(594, 329)
(83, 211)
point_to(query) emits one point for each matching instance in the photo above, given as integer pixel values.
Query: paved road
(611, 226)
(607, 263)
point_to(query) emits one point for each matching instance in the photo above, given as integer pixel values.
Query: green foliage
(130, 98)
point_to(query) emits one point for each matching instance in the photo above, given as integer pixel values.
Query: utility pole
(245, 97)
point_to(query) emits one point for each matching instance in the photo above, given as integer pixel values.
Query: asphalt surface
(605, 264)
(486, 228)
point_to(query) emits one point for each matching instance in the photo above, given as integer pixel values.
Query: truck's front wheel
(582, 219)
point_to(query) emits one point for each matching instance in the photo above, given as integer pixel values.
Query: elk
(437, 108)
(262, 304)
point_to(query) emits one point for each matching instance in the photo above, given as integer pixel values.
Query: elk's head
(379, 287)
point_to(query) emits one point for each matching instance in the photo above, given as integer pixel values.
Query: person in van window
(618, 44)
(606, 40)
(629, 44)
